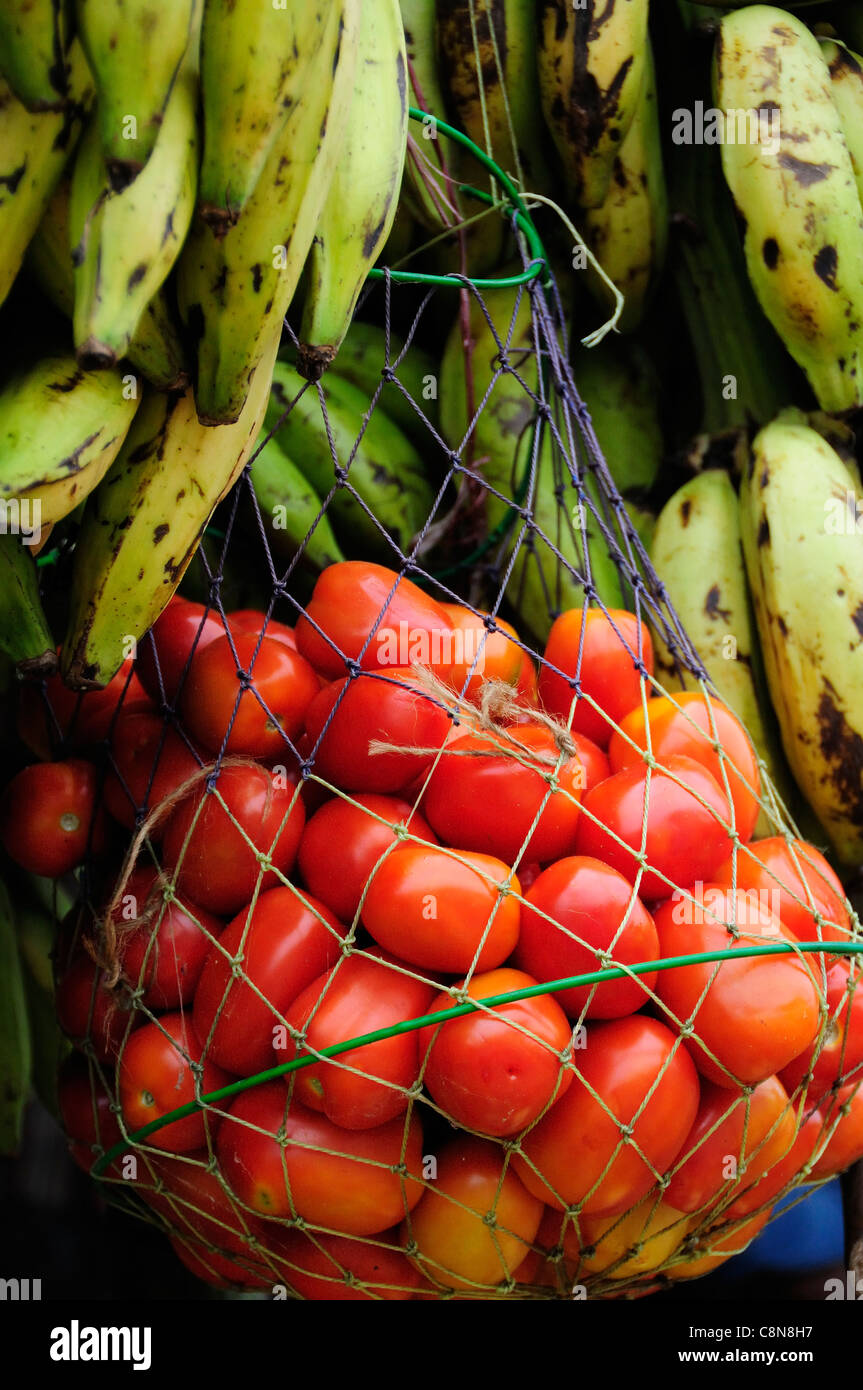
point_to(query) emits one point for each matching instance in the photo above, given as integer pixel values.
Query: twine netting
(517, 534)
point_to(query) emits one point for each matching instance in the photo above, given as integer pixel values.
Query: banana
(802, 528)
(233, 289)
(295, 517)
(134, 48)
(142, 525)
(155, 349)
(33, 152)
(60, 430)
(363, 194)
(846, 84)
(697, 554)
(426, 190)
(628, 231)
(797, 196)
(124, 243)
(363, 358)
(36, 939)
(24, 632)
(385, 474)
(34, 42)
(592, 61)
(15, 1043)
(620, 386)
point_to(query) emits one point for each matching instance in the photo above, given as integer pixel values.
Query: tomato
(569, 1157)
(845, 1144)
(86, 1112)
(622, 1247)
(343, 1269)
(87, 1011)
(786, 1168)
(751, 1015)
(49, 819)
(609, 668)
(785, 875)
(711, 1249)
(164, 954)
(359, 995)
(253, 620)
(338, 1178)
(483, 1070)
(476, 1219)
(344, 840)
(353, 597)
(209, 837)
(486, 791)
(78, 719)
(838, 1055)
(735, 1141)
(256, 720)
(576, 912)
(217, 1270)
(150, 761)
(482, 652)
(440, 911)
(163, 656)
(287, 940)
(155, 1076)
(594, 762)
(686, 837)
(351, 714)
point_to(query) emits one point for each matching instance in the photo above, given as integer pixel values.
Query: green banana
(15, 1043)
(620, 386)
(134, 48)
(60, 430)
(798, 198)
(362, 358)
(361, 201)
(426, 189)
(33, 152)
(846, 84)
(383, 467)
(628, 231)
(293, 512)
(698, 556)
(36, 937)
(125, 243)
(155, 349)
(34, 43)
(803, 543)
(592, 60)
(235, 288)
(143, 524)
(24, 632)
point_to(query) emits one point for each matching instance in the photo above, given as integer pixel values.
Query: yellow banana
(846, 84)
(363, 194)
(797, 197)
(34, 44)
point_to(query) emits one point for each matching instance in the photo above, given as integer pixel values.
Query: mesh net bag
(431, 923)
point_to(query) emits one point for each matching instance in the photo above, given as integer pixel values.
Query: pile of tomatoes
(328, 845)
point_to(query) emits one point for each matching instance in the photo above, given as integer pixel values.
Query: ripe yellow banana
(592, 60)
(60, 430)
(803, 544)
(233, 289)
(124, 243)
(846, 84)
(33, 152)
(363, 194)
(797, 197)
(134, 48)
(143, 524)
(34, 44)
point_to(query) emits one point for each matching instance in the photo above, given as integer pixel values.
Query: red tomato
(441, 911)
(202, 1213)
(359, 995)
(164, 954)
(341, 1269)
(78, 719)
(611, 652)
(344, 840)
(717, 1245)
(579, 912)
(337, 1178)
(838, 1055)
(689, 724)
(164, 655)
(284, 942)
(483, 1070)
(49, 819)
(218, 1270)
(258, 720)
(352, 597)
(569, 1157)
(785, 875)
(151, 760)
(750, 1016)
(210, 847)
(785, 1169)
(155, 1076)
(686, 839)
(253, 620)
(593, 760)
(485, 793)
(89, 1012)
(86, 1112)
(392, 710)
(476, 1219)
(481, 653)
(842, 1116)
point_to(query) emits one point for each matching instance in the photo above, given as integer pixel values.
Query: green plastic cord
(410, 1025)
